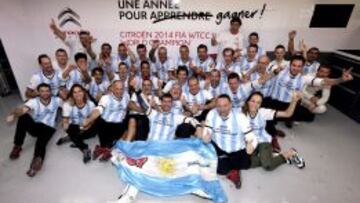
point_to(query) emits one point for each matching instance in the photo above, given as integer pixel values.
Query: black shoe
(87, 155)
(280, 133)
(63, 140)
(289, 124)
(35, 166)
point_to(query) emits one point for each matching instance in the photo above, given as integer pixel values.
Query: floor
(330, 147)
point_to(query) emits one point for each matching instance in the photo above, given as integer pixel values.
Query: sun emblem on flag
(167, 166)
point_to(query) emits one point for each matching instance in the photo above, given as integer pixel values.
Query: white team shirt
(42, 113)
(229, 134)
(112, 109)
(258, 124)
(232, 68)
(177, 107)
(200, 98)
(221, 88)
(77, 115)
(95, 88)
(266, 88)
(163, 124)
(75, 77)
(285, 84)
(55, 81)
(239, 97)
(311, 68)
(117, 60)
(226, 39)
(206, 65)
(190, 62)
(246, 64)
(162, 69)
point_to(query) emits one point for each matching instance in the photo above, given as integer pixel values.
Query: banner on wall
(164, 20)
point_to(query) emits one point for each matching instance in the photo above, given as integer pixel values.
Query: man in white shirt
(62, 60)
(47, 75)
(78, 74)
(314, 98)
(184, 59)
(107, 61)
(249, 60)
(292, 79)
(36, 117)
(227, 65)
(98, 85)
(311, 56)
(198, 101)
(112, 110)
(232, 137)
(164, 65)
(203, 62)
(142, 56)
(231, 38)
(147, 98)
(125, 55)
(279, 60)
(254, 40)
(81, 42)
(216, 85)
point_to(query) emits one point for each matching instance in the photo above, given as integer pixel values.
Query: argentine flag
(169, 168)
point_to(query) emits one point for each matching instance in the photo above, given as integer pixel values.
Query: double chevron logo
(67, 15)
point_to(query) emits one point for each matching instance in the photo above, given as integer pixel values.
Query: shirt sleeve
(103, 103)
(312, 80)
(34, 82)
(247, 130)
(168, 87)
(31, 104)
(207, 94)
(267, 114)
(66, 110)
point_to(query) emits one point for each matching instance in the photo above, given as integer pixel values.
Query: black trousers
(231, 161)
(142, 126)
(304, 114)
(77, 136)
(280, 106)
(42, 132)
(109, 132)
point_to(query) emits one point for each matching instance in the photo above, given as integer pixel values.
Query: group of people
(233, 101)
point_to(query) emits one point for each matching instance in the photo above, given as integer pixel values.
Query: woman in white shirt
(258, 117)
(75, 110)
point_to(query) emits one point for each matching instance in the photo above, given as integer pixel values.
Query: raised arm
(16, 113)
(154, 46)
(345, 77)
(291, 43)
(57, 32)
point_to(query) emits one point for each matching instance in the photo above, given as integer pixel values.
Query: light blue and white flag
(169, 168)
